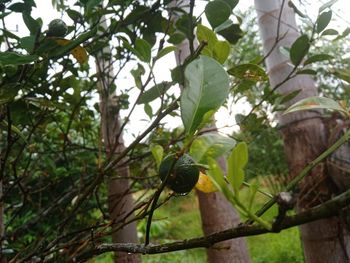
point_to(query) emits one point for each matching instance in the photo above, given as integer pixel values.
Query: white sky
(225, 117)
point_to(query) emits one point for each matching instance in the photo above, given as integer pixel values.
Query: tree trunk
(216, 212)
(304, 136)
(120, 200)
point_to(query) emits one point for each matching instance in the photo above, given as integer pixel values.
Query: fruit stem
(154, 203)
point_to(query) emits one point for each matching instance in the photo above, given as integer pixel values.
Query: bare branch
(328, 209)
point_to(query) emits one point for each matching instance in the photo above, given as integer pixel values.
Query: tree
(324, 240)
(56, 171)
(120, 200)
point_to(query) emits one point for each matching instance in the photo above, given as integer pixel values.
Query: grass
(183, 217)
(276, 247)
(180, 219)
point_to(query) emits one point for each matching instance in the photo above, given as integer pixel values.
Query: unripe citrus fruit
(184, 174)
(57, 28)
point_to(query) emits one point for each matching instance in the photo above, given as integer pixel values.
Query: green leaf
(177, 75)
(11, 58)
(317, 58)
(299, 49)
(91, 4)
(148, 110)
(14, 129)
(330, 32)
(315, 103)
(138, 12)
(244, 85)
(231, 3)
(210, 146)
(235, 164)
(217, 12)
(323, 21)
(290, 96)
(183, 24)
(20, 7)
(75, 15)
(142, 50)
(9, 34)
(221, 51)
(4, 14)
(157, 152)
(155, 92)
(224, 25)
(231, 33)
(157, 23)
(176, 38)
(32, 24)
(251, 72)
(9, 91)
(207, 35)
(218, 178)
(343, 74)
(253, 189)
(206, 88)
(207, 119)
(206, 51)
(137, 73)
(165, 51)
(28, 43)
(345, 33)
(42, 103)
(326, 5)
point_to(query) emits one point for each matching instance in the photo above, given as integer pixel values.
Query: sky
(225, 117)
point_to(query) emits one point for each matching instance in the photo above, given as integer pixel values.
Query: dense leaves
(54, 163)
(217, 12)
(11, 58)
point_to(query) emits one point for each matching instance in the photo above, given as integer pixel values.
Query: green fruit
(184, 175)
(57, 28)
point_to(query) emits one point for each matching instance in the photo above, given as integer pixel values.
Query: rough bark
(120, 200)
(304, 136)
(216, 212)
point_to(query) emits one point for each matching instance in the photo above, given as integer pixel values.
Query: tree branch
(328, 209)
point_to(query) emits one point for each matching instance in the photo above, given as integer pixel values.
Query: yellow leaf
(79, 52)
(205, 184)
(62, 41)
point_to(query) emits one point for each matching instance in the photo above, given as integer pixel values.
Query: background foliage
(51, 147)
